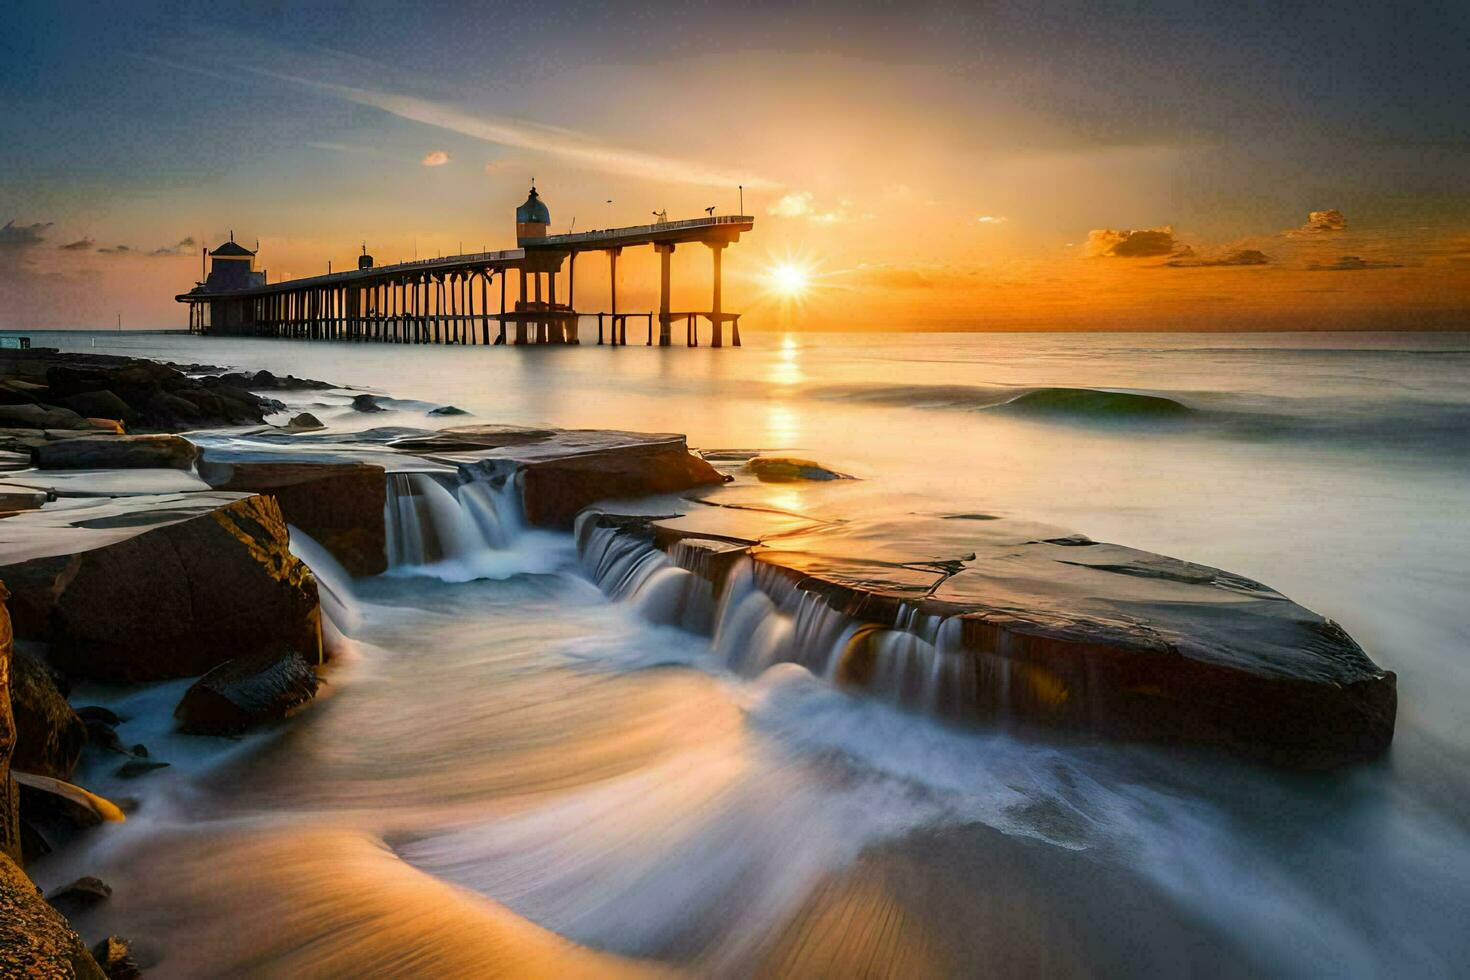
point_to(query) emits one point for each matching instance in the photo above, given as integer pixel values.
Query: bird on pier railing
(710, 210)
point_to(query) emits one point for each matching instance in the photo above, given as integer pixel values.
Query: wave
(1080, 404)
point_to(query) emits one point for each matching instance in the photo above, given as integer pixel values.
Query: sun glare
(789, 279)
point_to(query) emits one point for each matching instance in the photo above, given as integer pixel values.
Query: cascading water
(761, 618)
(459, 529)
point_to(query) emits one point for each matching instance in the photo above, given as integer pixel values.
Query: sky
(928, 166)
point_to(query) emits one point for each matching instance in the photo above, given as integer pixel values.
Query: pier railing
(638, 231)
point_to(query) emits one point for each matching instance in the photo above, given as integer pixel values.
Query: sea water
(513, 754)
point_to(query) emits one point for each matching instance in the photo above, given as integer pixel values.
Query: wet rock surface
(35, 940)
(243, 693)
(49, 734)
(157, 586)
(786, 469)
(339, 504)
(1046, 627)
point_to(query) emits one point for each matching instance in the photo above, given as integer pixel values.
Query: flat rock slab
(117, 452)
(1072, 633)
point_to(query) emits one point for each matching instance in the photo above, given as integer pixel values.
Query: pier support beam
(717, 332)
(665, 254)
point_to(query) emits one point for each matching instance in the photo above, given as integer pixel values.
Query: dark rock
(35, 940)
(84, 893)
(101, 404)
(138, 767)
(366, 403)
(266, 381)
(13, 391)
(95, 712)
(246, 692)
(339, 504)
(788, 469)
(114, 955)
(49, 735)
(177, 591)
(104, 736)
(13, 498)
(117, 452)
(40, 417)
(304, 422)
(140, 750)
(447, 410)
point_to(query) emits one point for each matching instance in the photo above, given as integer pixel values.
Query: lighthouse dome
(533, 211)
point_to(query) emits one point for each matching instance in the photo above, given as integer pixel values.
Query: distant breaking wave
(1066, 404)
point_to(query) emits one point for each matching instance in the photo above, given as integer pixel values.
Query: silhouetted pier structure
(461, 299)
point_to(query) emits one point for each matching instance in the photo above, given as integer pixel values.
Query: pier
(462, 299)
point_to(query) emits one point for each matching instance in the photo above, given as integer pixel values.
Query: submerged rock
(788, 469)
(35, 940)
(158, 586)
(339, 504)
(447, 410)
(366, 403)
(84, 893)
(305, 422)
(139, 767)
(117, 452)
(246, 692)
(49, 735)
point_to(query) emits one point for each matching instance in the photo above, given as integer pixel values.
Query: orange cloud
(436, 158)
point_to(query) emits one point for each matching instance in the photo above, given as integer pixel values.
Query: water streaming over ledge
(760, 618)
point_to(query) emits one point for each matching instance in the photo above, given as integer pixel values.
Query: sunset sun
(789, 279)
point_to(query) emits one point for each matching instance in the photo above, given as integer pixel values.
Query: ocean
(514, 735)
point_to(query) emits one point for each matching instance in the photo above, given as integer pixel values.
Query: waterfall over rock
(458, 529)
(758, 618)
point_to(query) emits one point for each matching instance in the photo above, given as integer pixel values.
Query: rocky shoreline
(132, 554)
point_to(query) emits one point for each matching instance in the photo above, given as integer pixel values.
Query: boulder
(117, 452)
(40, 417)
(139, 767)
(366, 403)
(339, 504)
(246, 692)
(266, 381)
(152, 587)
(35, 940)
(305, 422)
(789, 469)
(21, 498)
(102, 404)
(447, 410)
(49, 735)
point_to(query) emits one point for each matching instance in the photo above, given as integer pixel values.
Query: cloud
(793, 205)
(80, 245)
(1321, 223)
(115, 250)
(1352, 263)
(1141, 244)
(577, 148)
(436, 158)
(1240, 257)
(22, 236)
(185, 246)
(990, 219)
